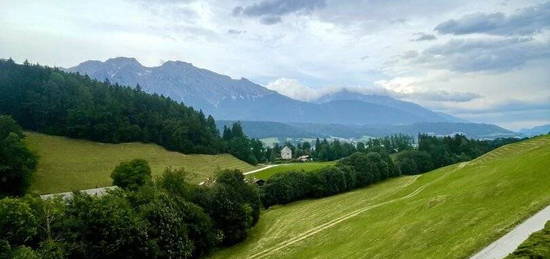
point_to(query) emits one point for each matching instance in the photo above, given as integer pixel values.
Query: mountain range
(230, 99)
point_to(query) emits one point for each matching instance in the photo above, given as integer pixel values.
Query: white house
(286, 153)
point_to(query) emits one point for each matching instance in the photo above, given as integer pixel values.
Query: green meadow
(450, 212)
(70, 164)
(306, 166)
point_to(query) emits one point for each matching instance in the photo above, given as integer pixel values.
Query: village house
(286, 153)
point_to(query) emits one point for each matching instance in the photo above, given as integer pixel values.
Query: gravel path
(509, 242)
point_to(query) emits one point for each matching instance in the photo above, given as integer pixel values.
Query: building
(286, 153)
(304, 158)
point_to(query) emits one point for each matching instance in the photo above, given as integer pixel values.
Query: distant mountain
(266, 129)
(229, 99)
(535, 131)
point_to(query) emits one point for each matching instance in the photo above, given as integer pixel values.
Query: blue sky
(484, 61)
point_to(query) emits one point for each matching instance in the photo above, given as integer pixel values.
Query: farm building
(286, 153)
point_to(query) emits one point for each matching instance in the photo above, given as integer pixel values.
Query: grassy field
(451, 212)
(308, 166)
(69, 164)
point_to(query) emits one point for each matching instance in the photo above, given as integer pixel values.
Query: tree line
(434, 152)
(325, 150)
(358, 170)
(145, 218)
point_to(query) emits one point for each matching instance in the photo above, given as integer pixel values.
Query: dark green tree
(132, 175)
(17, 162)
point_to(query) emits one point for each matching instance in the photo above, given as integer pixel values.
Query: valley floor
(451, 212)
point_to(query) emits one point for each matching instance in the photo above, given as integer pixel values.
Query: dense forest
(54, 102)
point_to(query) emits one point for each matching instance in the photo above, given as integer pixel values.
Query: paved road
(68, 195)
(509, 242)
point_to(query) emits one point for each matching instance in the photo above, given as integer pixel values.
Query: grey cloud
(233, 31)
(271, 11)
(442, 96)
(420, 36)
(269, 20)
(484, 54)
(526, 21)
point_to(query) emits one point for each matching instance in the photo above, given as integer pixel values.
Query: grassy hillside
(309, 166)
(450, 212)
(69, 164)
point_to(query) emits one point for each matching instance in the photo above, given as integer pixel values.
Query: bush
(17, 162)
(17, 222)
(132, 175)
(107, 226)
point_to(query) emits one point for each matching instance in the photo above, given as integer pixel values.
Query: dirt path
(352, 214)
(261, 169)
(509, 242)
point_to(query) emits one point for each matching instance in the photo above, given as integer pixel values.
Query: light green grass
(306, 166)
(451, 212)
(69, 164)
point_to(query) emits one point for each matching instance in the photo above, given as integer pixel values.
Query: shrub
(17, 222)
(132, 175)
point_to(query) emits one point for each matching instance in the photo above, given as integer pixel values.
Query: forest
(51, 101)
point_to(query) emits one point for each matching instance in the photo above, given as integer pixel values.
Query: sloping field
(451, 212)
(307, 166)
(69, 164)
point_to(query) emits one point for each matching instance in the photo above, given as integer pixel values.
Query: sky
(483, 61)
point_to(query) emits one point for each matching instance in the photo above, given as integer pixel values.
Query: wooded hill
(51, 101)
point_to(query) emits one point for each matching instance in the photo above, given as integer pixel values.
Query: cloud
(293, 89)
(441, 96)
(420, 36)
(233, 31)
(526, 21)
(470, 55)
(271, 11)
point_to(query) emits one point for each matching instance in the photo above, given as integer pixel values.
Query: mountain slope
(231, 99)
(450, 212)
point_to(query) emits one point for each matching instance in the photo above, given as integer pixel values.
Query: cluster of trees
(434, 152)
(358, 170)
(244, 148)
(51, 101)
(17, 162)
(324, 150)
(165, 218)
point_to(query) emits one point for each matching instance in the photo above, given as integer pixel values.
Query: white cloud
(303, 56)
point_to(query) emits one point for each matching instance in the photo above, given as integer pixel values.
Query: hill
(69, 164)
(240, 99)
(538, 130)
(450, 212)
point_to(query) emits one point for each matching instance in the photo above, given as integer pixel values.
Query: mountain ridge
(241, 99)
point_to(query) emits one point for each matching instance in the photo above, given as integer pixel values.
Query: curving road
(509, 242)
